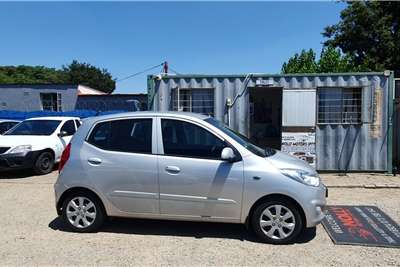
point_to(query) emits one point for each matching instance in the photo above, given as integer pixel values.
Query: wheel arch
(73, 190)
(47, 149)
(272, 197)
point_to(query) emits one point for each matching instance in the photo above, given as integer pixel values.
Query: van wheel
(44, 163)
(83, 212)
(277, 222)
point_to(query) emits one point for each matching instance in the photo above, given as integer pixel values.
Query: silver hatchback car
(183, 166)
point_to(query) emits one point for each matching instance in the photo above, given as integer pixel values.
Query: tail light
(64, 157)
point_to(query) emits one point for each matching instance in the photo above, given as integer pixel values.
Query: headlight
(302, 176)
(21, 149)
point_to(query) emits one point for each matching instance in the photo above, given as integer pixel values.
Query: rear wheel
(83, 212)
(277, 222)
(44, 163)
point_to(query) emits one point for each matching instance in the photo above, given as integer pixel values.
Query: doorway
(266, 116)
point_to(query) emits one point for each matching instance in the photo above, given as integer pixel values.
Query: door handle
(94, 161)
(172, 169)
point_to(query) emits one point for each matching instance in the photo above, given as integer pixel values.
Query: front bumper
(315, 208)
(17, 161)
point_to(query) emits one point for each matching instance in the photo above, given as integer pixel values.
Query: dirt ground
(31, 234)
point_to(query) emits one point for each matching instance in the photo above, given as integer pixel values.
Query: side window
(189, 140)
(68, 127)
(78, 124)
(3, 127)
(128, 135)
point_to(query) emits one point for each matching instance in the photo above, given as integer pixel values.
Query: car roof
(174, 114)
(53, 118)
(8, 120)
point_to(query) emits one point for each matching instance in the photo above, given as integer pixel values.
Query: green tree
(330, 60)
(74, 73)
(301, 63)
(30, 74)
(86, 74)
(369, 34)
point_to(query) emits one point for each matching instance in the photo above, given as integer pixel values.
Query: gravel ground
(32, 235)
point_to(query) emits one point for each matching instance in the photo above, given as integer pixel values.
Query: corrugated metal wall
(339, 147)
(396, 134)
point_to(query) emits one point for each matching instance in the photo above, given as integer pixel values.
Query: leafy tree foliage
(86, 74)
(331, 60)
(74, 73)
(369, 32)
(30, 74)
(301, 63)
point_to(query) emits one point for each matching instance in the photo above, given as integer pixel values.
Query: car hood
(36, 141)
(285, 161)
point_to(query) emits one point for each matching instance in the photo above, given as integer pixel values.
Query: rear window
(128, 135)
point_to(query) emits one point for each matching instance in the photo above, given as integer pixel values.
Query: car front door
(68, 129)
(119, 158)
(194, 181)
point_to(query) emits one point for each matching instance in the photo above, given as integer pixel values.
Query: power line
(171, 69)
(140, 72)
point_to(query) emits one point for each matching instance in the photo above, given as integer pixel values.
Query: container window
(199, 100)
(339, 105)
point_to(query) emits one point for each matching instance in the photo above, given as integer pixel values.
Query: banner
(300, 145)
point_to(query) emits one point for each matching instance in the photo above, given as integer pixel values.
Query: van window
(68, 127)
(189, 140)
(128, 135)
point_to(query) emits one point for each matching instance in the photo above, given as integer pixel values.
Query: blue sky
(127, 37)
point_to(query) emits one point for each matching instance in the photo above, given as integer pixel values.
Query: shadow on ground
(180, 228)
(17, 174)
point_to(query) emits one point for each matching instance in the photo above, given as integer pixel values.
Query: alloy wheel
(81, 212)
(277, 222)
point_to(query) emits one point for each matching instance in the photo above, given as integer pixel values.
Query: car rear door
(119, 156)
(194, 181)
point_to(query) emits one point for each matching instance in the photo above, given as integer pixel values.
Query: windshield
(34, 127)
(241, 139)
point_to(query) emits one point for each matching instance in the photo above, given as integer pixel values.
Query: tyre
(44, 163)
(83, 212)
(277, 222)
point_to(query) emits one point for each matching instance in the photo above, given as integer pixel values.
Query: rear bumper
(17, 161)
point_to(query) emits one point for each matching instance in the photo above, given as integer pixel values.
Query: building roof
(86, 90)
(261, 75)
(82, 89)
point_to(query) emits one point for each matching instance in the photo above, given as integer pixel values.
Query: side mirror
(228, 154)
(62, 134)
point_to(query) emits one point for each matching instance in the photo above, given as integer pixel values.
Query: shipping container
(336, 122)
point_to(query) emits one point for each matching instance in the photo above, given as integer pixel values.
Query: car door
(119, 160)
(62, 141)
(194, 181)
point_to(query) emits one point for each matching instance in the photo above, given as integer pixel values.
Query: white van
(36, 143)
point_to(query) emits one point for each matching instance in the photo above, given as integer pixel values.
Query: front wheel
(44, 163)
(277, 222)
(82, 212)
